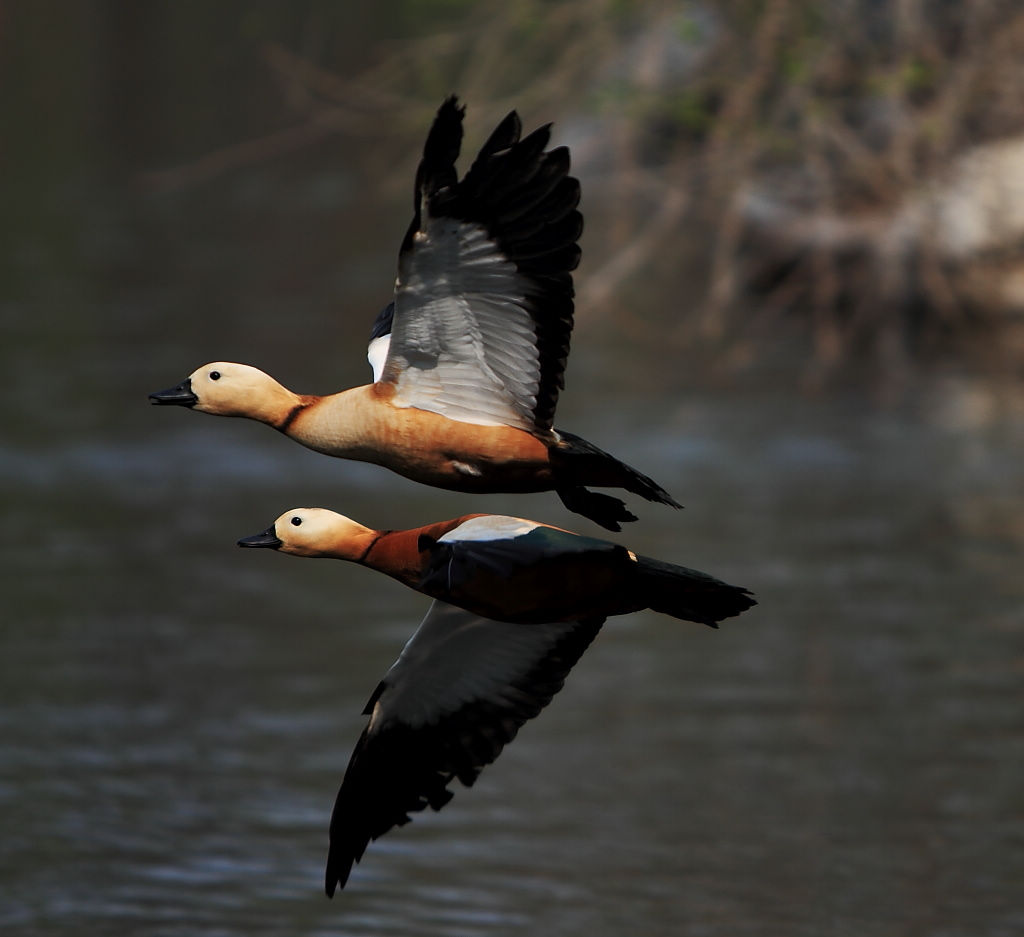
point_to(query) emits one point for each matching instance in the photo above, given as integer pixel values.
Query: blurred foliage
(754, 170)
(837, 114)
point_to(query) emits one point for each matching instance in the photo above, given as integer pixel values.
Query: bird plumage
(469, 358)
(468, 364)
(511, 569)
(516, 603)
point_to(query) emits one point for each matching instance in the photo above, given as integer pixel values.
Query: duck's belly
(437, 451)
(428, 447)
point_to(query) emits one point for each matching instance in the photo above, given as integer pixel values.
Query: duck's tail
(577, 462)
(688, 593)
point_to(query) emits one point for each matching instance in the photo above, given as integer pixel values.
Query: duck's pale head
(226, 389)
(313, 532)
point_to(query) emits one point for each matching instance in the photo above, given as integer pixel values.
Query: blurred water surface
(176, 714)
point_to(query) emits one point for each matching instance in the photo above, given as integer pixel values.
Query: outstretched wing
(484, 297)
(455, 697)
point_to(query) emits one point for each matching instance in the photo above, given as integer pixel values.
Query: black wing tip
(440, 151)
(447, 122)
(534, 143)
(335, 879)
(506, 134)
(448, 116)
(451, 104)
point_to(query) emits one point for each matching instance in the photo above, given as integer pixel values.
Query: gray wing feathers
(483, 307)
(464, 344)
(456, 658)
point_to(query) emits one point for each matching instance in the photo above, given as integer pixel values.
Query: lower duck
(510, 569)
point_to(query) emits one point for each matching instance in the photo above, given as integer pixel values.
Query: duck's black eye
(215, 375)
(296, 521)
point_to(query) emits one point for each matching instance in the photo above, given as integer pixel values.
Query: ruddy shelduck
(469, 358)
(510, 569)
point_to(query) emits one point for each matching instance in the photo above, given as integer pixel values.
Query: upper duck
(469, 358)
(511, 569)
(460, 691)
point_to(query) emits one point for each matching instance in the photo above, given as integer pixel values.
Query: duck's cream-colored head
(228, 389)
(314, 532)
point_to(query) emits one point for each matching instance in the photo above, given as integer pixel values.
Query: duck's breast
(363, 424)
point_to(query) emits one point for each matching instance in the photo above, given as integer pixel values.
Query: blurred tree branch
(781, 164)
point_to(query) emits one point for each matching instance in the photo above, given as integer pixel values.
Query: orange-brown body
(494, 451)
(364, 424)
(510, 569)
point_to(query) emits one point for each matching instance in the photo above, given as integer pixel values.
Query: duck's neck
(341, 424)
(353, 543)
(395, 553)
(404, 554)
(274, 405)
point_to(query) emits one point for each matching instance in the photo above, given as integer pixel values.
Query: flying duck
(510, 569)
(458, 693)
(469, 358)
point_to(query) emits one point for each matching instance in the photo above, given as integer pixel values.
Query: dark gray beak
(180, 395)
(265, 539)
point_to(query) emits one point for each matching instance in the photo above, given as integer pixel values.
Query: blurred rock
(968, 220)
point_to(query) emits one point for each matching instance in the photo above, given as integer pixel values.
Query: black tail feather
(577, 462)
(688, 593)
(640, 484)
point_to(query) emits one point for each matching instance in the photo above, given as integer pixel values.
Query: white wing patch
(490, 527)
(456, 658)
(376, 353)
(463, 343)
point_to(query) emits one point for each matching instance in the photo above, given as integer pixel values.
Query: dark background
(839, 412)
